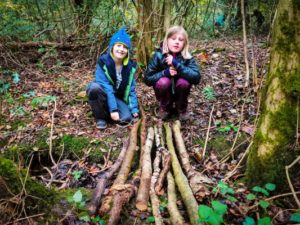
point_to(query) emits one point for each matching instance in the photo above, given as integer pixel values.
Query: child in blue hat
(112, 94)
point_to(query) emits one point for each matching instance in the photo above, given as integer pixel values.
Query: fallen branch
(51, 136)
(196, 179)
(166, 167)
(120, 199)
(32, 44)
(207, 132)
(102, 181)
(289, 180)
(175, 215)
(181, 180)
(143, 192)
(154, 199)
(124, 170)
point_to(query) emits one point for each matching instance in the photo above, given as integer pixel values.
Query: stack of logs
(150, 177)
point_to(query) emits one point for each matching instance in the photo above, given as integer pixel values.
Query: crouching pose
(171, 71)
(112, 95)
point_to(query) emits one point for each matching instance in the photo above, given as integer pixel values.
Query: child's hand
(115, 116)
(173, 71)
(169, 60)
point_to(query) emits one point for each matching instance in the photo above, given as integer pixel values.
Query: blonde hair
(174, 30)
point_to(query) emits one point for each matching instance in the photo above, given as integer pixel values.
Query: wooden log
(143, 192)
(166, 167)
(102, 181)
(120, 199)
(181, 180)
(154, 199)
(175, 215)
(124, 170)
(143, 134)
(196, 179)
(126, 165)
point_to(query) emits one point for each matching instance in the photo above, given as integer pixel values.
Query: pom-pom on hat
(120, 37)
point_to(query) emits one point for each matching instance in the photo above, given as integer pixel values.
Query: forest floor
(28, 115)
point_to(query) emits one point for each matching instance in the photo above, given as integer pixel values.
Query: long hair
(174, 30)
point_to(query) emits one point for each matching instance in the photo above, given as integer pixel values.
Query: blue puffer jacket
(186, 68)
(106, 77)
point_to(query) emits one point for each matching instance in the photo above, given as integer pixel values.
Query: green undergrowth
(65, 147)
(221, 144)
(37, 194)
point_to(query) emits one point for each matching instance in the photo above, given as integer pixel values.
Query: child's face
(176, 42)
(119, 51)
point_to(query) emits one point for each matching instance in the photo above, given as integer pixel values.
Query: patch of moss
(74, 145)
(12, 175)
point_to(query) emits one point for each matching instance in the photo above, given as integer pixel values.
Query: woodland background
(243, 135)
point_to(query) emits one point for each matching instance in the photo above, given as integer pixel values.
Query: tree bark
(181, 180)
(154, 199)
(276, 133)
(124, 170)
(175, 215)
(143, 192)
(196, 179)
(102, 181)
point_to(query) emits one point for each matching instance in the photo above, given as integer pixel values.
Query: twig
(238, 131)
(51, 135)
(235, 168)
(25, 218)
(289, 180)
(207, 133)
(275, 197)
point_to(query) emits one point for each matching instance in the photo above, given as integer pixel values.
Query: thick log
(175, 215)
(102, 181)
(181, 180)
(120, 199)
(126, 165)
(196, 179)
(32, 44)
(124, 170)
(154, 199)
(166, 167)
(143, 192)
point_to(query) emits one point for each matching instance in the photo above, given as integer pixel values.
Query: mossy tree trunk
(276, 135)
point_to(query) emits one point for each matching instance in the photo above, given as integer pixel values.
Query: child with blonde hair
(171, 71)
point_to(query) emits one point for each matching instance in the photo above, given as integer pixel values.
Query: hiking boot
(163, 114)
(184, 116)
(101, 124)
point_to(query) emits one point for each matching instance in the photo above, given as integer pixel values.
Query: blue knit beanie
(120, 37)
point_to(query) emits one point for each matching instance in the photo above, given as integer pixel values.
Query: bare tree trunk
(275, 138)
(245, 44)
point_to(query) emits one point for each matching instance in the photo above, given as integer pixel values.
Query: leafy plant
(78, 202)
(214, 215)
(295, 217)
(42, 101)
(77, 174)
(18, 111)
(209, 93)
(225, 190)
(228, 128)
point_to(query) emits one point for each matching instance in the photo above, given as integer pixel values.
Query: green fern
(209, 93)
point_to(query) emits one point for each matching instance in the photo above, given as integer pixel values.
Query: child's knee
(163, 83)
(182, 84)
